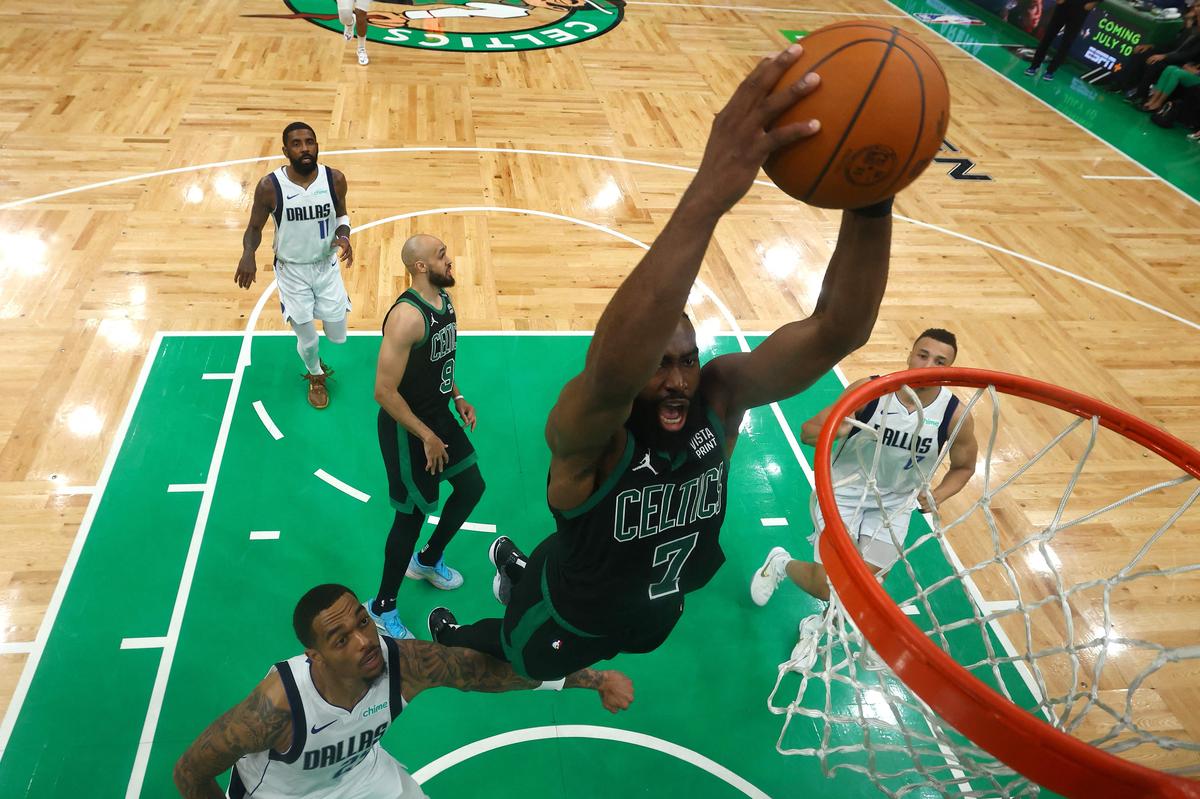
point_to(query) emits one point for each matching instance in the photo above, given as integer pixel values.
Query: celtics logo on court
(475, 26)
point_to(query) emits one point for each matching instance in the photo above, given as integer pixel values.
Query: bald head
(421, 247)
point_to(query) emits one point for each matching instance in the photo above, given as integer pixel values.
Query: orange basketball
(883, 104)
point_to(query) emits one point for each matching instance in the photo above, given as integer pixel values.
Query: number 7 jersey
(620, 563)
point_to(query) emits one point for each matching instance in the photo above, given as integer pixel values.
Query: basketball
(883, 105)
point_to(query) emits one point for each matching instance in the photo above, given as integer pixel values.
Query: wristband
(551, 685)
(457, 397)
(878, 210)
(343, 220)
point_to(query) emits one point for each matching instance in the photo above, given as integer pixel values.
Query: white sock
(308, 344)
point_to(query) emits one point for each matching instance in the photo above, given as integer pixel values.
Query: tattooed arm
(261, 721)
(428, 665)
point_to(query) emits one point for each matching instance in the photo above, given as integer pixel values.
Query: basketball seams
(853, 163)
(903, 171)
(891, 45)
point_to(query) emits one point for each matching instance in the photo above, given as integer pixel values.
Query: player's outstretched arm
(795, 355)
(424, 664)
(256, 724)
(811, 430)
(634, 329)
(264, 204)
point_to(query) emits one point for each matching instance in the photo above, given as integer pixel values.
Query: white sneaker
(804, 653)
(769, 576)
(348, 32)
(362, 56)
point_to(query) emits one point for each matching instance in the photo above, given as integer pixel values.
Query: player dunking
(420, 441)
(640, 440)
(312, 231)
(872, 526)
(311, 728)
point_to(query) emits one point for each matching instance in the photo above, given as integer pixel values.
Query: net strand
(859, 715)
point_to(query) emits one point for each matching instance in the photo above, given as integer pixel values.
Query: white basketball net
(1051, 596)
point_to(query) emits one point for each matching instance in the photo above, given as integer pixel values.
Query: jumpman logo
(645, 464)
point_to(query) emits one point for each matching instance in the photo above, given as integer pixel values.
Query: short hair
(938, 334)
(311, 605)
(297, 126)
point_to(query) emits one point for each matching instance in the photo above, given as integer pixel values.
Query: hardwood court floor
(1040, 271)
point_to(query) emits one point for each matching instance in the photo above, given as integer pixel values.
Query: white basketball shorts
(312, 291)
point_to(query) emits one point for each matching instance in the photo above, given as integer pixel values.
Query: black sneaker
(509, 562)
(440, 620)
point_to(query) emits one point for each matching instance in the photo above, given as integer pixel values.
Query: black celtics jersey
(625, 557)
(429, 377)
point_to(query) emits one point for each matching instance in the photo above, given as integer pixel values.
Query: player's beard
(646, 428)
(441, 281)
(302, 166)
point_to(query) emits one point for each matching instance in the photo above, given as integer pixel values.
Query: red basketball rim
(1016, 737)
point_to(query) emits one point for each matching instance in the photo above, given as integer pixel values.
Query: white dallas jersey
(898, 476)
(304, 218)
(335, 752)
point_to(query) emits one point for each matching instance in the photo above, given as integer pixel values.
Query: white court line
(464, 753)
(774, 522)
(472, 526)
(16, 647)
(1000, 604)
(789, 436)
(1120, 177)
(75, 490)
(700, 286)
(186, 488)
(144, 643)
(817, 12)
(1087, 281)
(345, 488)
(264, 535)
(615, 160)
(266, 419)
(158, 692)
(81, 535)
(1028, 93)
(219, 375)
(911, 610)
